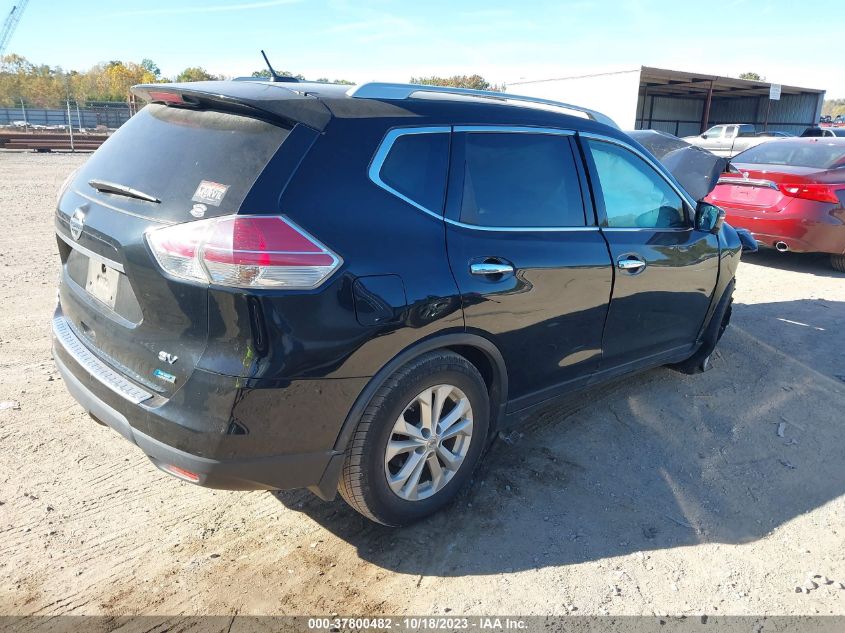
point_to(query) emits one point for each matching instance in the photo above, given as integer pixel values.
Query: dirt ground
(664, 494)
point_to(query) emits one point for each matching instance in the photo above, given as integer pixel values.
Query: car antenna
(276, 76)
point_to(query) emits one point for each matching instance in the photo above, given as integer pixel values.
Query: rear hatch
(167, 165)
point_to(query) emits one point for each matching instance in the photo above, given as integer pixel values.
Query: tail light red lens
(244, 252)
(812, 191)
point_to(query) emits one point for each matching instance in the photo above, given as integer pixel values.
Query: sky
(393, 40)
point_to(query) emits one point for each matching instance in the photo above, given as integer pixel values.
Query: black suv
(279, 285)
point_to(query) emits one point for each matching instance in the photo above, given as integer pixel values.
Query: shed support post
(705, 117)
(650, 112)
(642, 110)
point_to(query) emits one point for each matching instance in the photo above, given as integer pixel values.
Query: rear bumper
(800, 233)
(192, 431)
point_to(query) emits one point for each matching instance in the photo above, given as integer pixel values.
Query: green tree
(284, 73)
(476, 82)
(35, 84)
(109, 82)
(151, 67)
(195, 73)
(752, 76)
(343, 82)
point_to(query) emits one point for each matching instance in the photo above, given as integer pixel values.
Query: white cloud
(247, 6)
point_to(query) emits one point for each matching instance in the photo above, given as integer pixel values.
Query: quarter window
(633, 193)
(520, 180)
(416, 168)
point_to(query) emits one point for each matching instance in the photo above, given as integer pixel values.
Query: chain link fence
(101, 115)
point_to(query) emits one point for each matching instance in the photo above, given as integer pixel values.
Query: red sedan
(790, 194)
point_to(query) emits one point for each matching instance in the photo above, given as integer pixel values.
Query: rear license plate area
(101, 282)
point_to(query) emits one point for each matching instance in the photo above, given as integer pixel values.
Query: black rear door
(665, 269)
(533, 274)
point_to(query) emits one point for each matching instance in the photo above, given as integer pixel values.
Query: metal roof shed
(679, 102)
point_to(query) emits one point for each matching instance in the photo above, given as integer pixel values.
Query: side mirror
(709, 218)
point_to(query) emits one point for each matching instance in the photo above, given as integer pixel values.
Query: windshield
(820, 155)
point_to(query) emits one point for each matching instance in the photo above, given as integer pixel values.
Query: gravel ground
(667, 494)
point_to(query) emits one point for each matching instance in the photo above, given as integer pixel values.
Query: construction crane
(10, 24)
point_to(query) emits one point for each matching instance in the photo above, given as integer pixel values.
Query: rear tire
(838, 262)
(405, 461)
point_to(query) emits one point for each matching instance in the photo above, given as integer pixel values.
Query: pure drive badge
(163, 375)
(210, 193)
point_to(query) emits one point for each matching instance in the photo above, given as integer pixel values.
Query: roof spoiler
(276, 103)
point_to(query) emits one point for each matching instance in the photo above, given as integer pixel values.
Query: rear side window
(634, 194)
(415, 168)
(520, 180)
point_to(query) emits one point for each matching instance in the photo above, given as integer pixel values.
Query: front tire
(418, 441)
(838, 262)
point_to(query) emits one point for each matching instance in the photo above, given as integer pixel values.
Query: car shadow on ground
(659, 460)
(810, 263)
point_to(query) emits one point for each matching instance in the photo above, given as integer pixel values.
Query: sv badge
(167, 357)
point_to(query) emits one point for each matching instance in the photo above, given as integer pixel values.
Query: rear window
(416, 168)
(820, 155)
(170, 152)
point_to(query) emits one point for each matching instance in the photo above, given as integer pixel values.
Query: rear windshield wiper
(121, 190)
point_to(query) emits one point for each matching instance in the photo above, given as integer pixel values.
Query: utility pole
(70, 125)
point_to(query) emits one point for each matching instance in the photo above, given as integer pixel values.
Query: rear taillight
(812, 191)
(244, 252)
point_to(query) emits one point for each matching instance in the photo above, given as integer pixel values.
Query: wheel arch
(476, 349)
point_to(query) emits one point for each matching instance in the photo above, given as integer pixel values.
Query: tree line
(44, 86)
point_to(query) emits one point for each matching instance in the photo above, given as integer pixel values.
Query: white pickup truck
(730, 139)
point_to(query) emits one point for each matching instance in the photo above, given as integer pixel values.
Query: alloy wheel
(428, 443)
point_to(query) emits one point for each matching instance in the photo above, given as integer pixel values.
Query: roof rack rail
(380, 90)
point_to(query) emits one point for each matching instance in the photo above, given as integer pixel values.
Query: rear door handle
(490, 268)
(630, 264)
